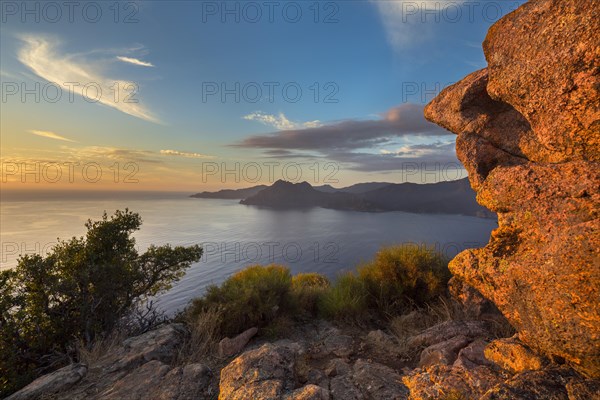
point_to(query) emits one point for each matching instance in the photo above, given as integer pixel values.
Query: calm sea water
(234, 235)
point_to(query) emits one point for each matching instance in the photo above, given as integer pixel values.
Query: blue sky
(354, 62)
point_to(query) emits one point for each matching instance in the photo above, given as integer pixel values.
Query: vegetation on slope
(79, 292)
(399, 278)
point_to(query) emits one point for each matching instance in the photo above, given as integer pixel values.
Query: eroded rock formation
(528, 131)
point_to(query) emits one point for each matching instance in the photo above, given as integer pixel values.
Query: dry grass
(203, 339)
(421, 318)
(443, 309)
(92, 353)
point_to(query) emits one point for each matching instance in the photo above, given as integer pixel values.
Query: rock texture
(263, 373)
(512, 355)
(550, 384)
(231, 346)
(321, 364)
(528, 131)
(52, 383)
(138, 369)
(443, 381)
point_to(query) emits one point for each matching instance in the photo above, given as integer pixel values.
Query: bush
(270, 298)
(346, 300)
(79, 292)
(404, 275)
(254, 296)
(307, 289)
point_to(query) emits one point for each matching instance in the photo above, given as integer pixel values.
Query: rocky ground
(318, 360)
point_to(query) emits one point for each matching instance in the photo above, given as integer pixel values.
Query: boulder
(447, 330)
(317, 377)
(336, 367)
(368, 380)
(135, 385)
(528, 131)
(549, 384)
(514, 356)
(138, 368)
(229, 347)
(473, 304)
(446, 382)
(189, 382)
(52, 383)
(339, 345)
(159, 344)
(263, 373)
(308, 392)
(343, 388)
(378, 382)
(472, 355)
(444, 353)
(543, 60)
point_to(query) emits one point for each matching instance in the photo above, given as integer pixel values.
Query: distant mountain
(454, 197)
(284, 194)
(233, 194)
(360, 188)
(356, 189)
(326, 189)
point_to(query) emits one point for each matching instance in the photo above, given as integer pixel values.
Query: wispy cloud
(405, 22)
(184, 154)
(50, 135)
(41, 55)
(134, 61)
(280, 122)
(9, 75)
(112, 153)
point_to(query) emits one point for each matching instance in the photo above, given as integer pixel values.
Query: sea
(233, 235)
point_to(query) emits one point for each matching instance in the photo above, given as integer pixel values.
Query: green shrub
(77, 293)
(346, 300)
(311, 279)
(252, 297)
(401, 275)
(307, 289)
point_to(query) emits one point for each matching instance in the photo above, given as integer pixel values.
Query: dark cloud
(345, 142)
(425, 156)
(404, 120)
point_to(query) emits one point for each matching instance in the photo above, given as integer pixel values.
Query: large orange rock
(528, 131)
(544, 60)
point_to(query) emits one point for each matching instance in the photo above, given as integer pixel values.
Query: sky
(204, 95)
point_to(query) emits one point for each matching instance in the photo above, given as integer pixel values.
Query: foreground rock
(551, 384)
(229, 347)
(318, 368)
(52, 383)
(263, 373)
(512, 355)
(528, 131)
(139, 368)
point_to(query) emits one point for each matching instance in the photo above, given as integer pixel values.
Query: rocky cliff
(528, 131)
